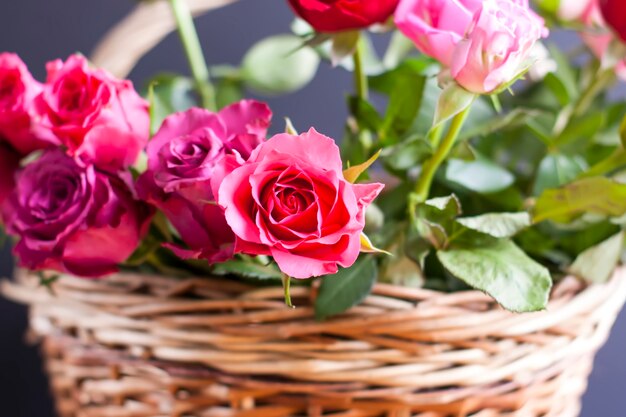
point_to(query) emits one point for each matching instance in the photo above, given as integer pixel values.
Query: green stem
(603, 79)
(287, 290)
(422, 189)
(360, 78)
(362, 89)
(193, 51)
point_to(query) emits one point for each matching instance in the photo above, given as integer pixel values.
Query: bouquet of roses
(502, 162)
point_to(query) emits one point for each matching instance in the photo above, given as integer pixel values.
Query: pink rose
(73, 219)
(182, 159)
(100, 119)
(18, 90)
(436, 26)
(570, 10)
(497, 45)
(290, 200)
(9, 163)
(599, 38)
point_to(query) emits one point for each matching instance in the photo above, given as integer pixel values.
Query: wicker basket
(147, 346)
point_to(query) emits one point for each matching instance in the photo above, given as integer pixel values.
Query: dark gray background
(41, 30)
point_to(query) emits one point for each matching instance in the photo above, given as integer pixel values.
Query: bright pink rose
(497, 45)
(291, 201)
(9, 163)
(436, 26)
(18, 90)
(72, 218)
(182, 159)
(100, 119)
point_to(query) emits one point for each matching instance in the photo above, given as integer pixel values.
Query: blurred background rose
(42, 30)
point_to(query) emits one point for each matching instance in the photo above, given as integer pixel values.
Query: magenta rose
(9, 163)
(183, 157)
(290, 200)
(18, 90)
(100, 119)
(497, 45)
(72, 218)
(436, 26)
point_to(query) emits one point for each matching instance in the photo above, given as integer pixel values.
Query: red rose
(338, 15)
(614, 12)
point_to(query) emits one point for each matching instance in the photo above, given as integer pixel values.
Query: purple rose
(182, 159)
(18, 90)
(73, 219)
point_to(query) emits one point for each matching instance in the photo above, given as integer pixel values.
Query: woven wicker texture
(139, 346)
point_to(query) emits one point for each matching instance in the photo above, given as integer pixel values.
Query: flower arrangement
(474, 157)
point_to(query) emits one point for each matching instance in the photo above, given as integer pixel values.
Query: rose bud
(182, 159)
(18, 90)
(614, 12)
(599, 38)
(436, 27)
(9, 163)
(100, 119)
(290, 200)
(340, 15)
(73, 219)
(497, 46)
(570, 10)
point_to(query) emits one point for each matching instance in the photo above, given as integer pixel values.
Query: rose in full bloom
(72, 218)
(9, 163)
(497, 45)
(18, 90)
(290, 200)
(98, 118)
(340, 15)
(436, 26)
(614, 13)
(182, 159)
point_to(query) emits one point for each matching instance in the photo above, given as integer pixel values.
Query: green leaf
(585, 127)
(408, 154)
(247, 269)
(481, 176)
(596, 264)
(556, 170)
(278, 65)
(228, 91)
(169, 93)
(503, 271)
(499, 225)
(405, 101)
(365, 114)
(452, 101)
(512, 120)
(597, 195)
(346, 288)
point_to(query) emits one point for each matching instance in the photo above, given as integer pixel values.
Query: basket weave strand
(145, 346)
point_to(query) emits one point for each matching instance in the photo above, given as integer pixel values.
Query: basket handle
(140, 32)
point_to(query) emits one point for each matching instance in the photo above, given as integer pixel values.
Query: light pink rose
(497, 45)
(98, 118)
(18, 90)
(290, 200)
(599, 38)
(570, 10)
(9, 163)
(73, 219)
(183, 157)
(436, 26)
